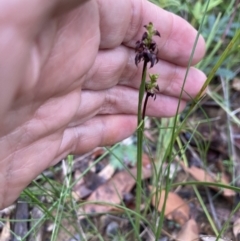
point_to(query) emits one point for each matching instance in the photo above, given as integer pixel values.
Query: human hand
(69, 82)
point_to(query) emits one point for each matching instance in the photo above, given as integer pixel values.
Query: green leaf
(123, 154)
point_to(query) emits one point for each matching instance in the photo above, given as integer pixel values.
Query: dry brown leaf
(236, 229)
(107, 172)
(146, 161)
(189, 231)
(176, 208)
(203, 176)
(113, 190)
(236, 84)
(98, 151)
(81, 189)
(212, 238)
(200, 174)
(5, 234)
(226, 192)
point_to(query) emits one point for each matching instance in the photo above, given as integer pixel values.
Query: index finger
(122, 23)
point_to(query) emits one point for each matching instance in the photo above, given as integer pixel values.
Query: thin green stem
(139, 147)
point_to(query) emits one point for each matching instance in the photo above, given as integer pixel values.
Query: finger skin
(174, 45)
(99, 131)
(177, 35)
(114, 101)
(64, 6)
(108, 71)
(47, 75)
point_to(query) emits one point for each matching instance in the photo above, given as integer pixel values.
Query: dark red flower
(146, 48)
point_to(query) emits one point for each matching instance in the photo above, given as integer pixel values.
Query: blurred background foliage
(219, 26)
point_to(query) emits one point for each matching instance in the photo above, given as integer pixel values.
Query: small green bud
(151, 86)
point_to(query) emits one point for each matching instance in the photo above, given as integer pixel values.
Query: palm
(79, 89)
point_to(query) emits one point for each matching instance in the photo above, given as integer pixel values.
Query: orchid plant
(146, 51)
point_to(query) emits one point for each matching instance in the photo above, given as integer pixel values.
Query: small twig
(145, 105)
(212, 209)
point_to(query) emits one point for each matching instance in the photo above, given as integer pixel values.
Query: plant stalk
(145, 106)
(140, 147)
